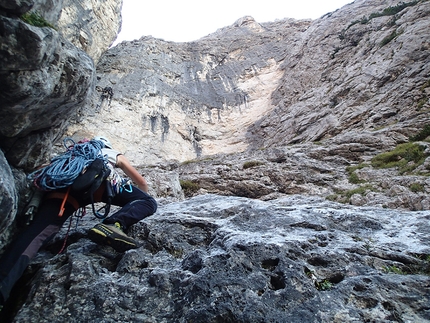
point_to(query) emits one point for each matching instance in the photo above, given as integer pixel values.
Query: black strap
(106, 207)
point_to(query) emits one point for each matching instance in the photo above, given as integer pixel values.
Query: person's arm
(123, 163)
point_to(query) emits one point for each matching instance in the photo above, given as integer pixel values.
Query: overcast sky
(188, 20)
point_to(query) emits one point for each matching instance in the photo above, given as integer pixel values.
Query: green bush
(389, 38)
(425, 85)
(390, 11)
(360, 190)
(324, 285)
(189, 186)
(34, 19)
(416, 187)
(395, 270)
(400, 157)
(421, 102)
(423, 134)
(353, 177)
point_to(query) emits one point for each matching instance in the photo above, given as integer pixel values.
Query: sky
(189, 20)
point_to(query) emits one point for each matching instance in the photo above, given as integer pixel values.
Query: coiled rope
(64, 169)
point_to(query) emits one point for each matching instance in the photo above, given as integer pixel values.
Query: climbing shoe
(112, 235)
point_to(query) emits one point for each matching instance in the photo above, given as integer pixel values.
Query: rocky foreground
(229, 259)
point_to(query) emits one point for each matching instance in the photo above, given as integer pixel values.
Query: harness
(66, 197)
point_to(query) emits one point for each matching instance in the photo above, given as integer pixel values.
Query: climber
(135, 201)
(106, 95)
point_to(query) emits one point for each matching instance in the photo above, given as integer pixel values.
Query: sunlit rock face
(305, 99)
(91, 26)
(215, 258)
(182, 100)
(252, 85)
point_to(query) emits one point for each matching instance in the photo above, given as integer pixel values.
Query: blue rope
(63, 169)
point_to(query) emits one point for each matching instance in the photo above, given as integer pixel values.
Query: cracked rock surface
(215, 258)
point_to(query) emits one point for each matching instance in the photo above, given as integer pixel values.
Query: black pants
(136, 205)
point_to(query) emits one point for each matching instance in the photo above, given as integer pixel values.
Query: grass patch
(359, 190)
(422, 267)
(250, 164)
(35, 19)
(345, 196)
(425, 98)
(353, 177)
(421, 102)
(422, 135)
(390, 11)
(188, 162)
(351, 169)
(189, 187)
(425, 85)
(324, 285)
(406, 157)
(389, 38)
(394, 270)
(332, 197)
(416, 187)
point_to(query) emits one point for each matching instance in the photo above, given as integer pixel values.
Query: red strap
(62, 208)
(66, 198)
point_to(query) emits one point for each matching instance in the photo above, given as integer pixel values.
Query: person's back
(135, 205)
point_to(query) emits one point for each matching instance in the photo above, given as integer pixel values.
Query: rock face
(91, 25)
(46, 76)
(354, 88)
(42, 73)
(182, 100)
(254, 85)
(347, 74)
(266, 127)
(228, 259)
(310, 169)
(45, 80)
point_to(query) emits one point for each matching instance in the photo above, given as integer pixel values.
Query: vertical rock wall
(183, 100)
(45, 80)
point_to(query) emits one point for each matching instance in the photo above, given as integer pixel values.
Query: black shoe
(112, 235)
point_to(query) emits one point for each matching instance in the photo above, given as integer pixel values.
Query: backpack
(88, 181)
(81, 169)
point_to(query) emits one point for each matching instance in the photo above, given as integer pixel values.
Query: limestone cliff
(259, 85)
(91, 25)
(346, 87)
(183, 100)
(317, 131)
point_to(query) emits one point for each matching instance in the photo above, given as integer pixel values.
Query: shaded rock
(8, 199)
(54, 80)
(16, 6)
